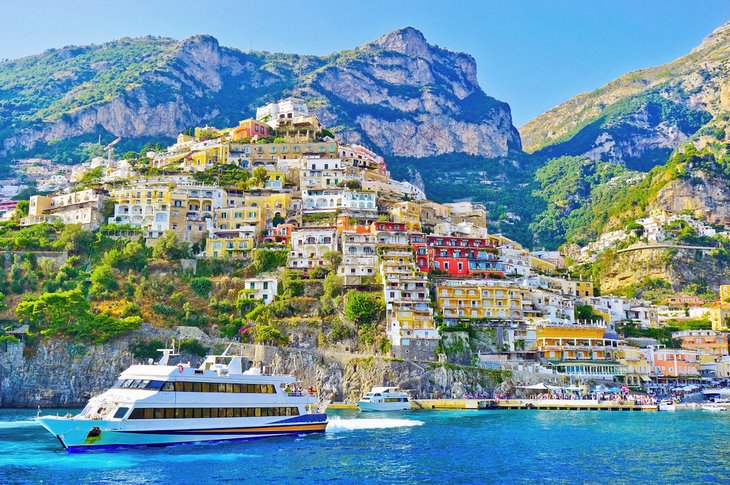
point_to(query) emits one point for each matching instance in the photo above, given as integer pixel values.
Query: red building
(251, 128)
(459, 256)
(280, 234)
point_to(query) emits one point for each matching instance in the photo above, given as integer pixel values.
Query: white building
(263, 288)
(288, 109)
(359, 258)
(309, 245)
(83, 207)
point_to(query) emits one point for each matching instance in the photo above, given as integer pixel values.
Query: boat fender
(180, 367)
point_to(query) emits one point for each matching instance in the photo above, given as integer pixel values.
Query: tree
(3, 305)
(269, 335)
(260, 174)
(333, 259)
(332, 285)
(317, 273)
(103, 280)
(362, 308)
(169, 248)
(586, 313)
(74, 239)
(277, 219)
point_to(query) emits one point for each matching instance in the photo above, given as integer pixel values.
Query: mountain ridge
(399, 93)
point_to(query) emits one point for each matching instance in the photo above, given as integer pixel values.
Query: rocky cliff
(640, 117)
(54, 373)
(398, 94)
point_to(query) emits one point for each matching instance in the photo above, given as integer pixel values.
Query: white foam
(18, 424)
(337, 424)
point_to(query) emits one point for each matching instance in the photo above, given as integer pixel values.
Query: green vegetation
(69, 313)
(577, 193)
(619, 121)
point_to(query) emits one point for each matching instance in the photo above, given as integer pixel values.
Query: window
(121, 412)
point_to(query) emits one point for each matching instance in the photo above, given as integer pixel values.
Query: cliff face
(57, 374)
(399, 94)
(706, 195)
(678, 268)
(640, 117)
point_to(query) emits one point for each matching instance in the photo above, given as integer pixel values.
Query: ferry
(161, 404)
(384, 399)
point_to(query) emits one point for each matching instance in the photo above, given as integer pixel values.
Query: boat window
(178, 386)
(169, 413)
(157, 385)
(134, 383)
(197, 387)
(119, 383)
(188, 386)
(206, 387)
(121, 412)
(127, 383)
(142, 384)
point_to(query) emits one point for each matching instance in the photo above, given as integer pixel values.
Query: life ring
(180, 367)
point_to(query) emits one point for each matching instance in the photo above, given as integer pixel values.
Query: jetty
(518, 404)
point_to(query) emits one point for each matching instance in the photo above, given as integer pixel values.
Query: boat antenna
(167, 353)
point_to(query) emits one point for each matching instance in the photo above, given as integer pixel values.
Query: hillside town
(281, 180)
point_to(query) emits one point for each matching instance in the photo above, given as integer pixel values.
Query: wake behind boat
(384, 399)
(167, 404)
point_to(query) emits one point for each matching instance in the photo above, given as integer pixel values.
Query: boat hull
(383, 406)
(85, 434)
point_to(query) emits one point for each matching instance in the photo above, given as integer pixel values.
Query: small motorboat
(384, 399)
(713, 408)
(667, 405)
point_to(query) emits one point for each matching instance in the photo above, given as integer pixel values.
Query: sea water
(405, 447)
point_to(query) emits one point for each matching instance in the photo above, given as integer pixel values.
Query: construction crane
(110, 149)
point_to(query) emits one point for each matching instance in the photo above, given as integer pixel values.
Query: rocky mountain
(652, 139)
(398, 94)
(639, 118)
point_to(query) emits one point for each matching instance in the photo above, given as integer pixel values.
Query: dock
(571, 405)
(517, 404)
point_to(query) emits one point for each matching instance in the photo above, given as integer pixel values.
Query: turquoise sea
(408, 447)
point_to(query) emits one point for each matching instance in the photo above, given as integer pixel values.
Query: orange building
(250, 128)
(673, 362)
(710, 346)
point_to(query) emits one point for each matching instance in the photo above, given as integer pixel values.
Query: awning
(535, 387)
(645, 378)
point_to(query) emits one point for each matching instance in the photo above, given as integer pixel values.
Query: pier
(518, 404)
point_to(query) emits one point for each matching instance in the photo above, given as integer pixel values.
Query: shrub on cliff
(201, 286)
(362, 308)
(69, 313)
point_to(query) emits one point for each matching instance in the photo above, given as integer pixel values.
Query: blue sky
(531, 54)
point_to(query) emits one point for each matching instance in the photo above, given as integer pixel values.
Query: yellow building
(273, 151)
(725, 294)
(638, 368)
(540, 265)
(478, 299)
(408, 213)
(580, 350)
(239, 217)
(720, 317)
(205, 157)
(230, 244)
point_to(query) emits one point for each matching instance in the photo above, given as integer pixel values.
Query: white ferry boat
(168, 404)
(384, 399)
